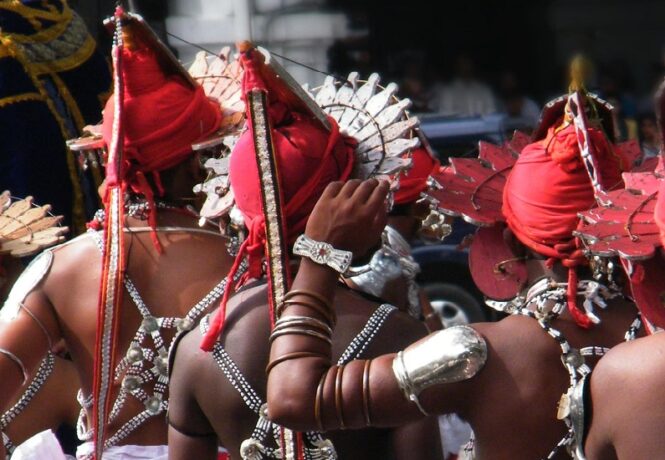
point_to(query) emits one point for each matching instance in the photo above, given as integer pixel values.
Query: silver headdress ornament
(375, 118)
(221, 78)
(364, 110)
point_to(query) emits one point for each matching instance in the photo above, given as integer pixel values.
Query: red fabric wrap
(162, 117)
(414, 182)
(646, 284)
(545, 191)
(659, 212)
(309, 158)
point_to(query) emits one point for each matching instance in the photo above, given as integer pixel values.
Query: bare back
(512, 403)
(627, 400)
(247, 329)
(170, 285)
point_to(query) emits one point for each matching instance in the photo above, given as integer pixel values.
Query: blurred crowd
(467, 92)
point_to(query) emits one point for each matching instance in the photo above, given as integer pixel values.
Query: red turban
(545, 191)
(162, 117)
(414, 182)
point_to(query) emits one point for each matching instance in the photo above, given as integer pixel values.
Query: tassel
(580, 318)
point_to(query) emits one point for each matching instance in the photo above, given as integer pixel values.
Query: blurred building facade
(302, 30)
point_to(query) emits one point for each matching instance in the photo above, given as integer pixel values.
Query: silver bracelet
(18, 362)
(323, 253)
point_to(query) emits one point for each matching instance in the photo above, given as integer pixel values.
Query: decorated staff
(490, 374)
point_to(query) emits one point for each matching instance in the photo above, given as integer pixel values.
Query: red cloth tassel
(578, 315)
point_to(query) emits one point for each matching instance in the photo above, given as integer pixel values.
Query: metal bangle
(328, 314)
(290, 321)
(339, 410)
(39, 323)
(311, 294)
(299, 331)
(294, 355)
(317, 402)
(368, 418)
(17, 361)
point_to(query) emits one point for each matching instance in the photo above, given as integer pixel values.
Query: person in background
(514, 102)
(466, 94)
(53, 82)
(648, 135)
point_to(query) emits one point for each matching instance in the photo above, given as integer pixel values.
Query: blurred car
(445, 275)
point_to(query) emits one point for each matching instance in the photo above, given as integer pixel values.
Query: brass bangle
(295, 355)
(368, 418)
(329, 315)
(317, 402)
(299, 331)
(293, 321)
(314, 295)
(338, 397)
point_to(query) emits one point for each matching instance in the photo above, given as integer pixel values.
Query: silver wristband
(323, 253)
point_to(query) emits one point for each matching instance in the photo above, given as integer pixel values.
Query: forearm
(308, 393)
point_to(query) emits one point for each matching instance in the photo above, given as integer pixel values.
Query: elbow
(291, 407)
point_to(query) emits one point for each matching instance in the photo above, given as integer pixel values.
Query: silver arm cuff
(448, 356)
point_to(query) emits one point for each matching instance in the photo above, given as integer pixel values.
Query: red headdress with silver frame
(477, 190)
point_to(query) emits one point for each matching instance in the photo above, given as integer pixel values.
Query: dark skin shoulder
(195, 410)
(627, 417)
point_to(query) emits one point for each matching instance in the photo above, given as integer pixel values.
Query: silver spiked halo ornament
(375, 118)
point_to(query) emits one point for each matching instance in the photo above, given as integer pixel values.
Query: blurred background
(454, 60)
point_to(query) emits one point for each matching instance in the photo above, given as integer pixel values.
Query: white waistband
(128, 452)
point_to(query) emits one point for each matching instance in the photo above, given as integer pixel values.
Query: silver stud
(149, 324)
(134, 354)
(184, 324)
(153, 405)
(130, 383)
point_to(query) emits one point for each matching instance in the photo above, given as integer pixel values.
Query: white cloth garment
(128, 452)
(41, 446)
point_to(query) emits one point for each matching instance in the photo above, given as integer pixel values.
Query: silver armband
(447, 356)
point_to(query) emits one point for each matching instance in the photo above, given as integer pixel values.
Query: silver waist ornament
(448, 356)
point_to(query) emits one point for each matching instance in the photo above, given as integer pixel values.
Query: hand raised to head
(350, 216)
